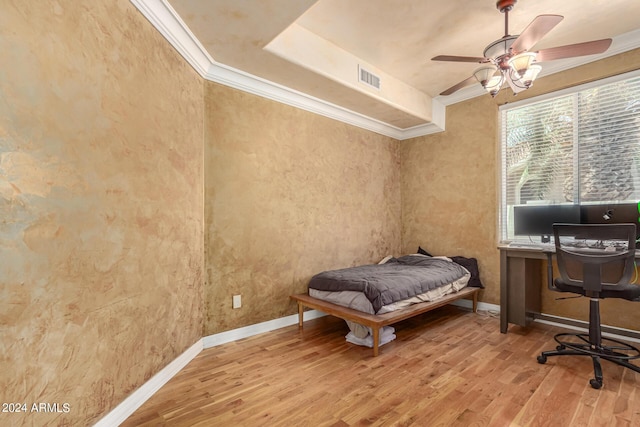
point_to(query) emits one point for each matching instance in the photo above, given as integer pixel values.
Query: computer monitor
(614, 213)
(538, 220)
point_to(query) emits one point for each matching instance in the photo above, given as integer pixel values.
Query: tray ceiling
(307, 53)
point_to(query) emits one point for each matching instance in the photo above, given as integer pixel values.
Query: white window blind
(578, 146)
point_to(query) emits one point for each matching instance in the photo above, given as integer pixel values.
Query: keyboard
(533, 246)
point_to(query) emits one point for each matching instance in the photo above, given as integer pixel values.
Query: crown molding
(438, 112)
(241, 80)
(229, 76)
(238, 79)
(167, 21)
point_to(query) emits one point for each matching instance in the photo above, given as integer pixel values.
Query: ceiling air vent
(368, 78)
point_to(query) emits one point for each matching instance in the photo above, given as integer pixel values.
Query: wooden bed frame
(377, 321)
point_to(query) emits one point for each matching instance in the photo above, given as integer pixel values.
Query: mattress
(396, 280)
(358, 301)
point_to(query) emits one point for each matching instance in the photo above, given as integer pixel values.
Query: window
(577, 146)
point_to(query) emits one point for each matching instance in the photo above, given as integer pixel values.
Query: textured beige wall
(450, 194)
(288, 194)
(101, 201)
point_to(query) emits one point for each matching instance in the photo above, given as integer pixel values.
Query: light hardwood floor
(449, 367)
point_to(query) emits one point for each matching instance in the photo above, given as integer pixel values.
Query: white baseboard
(561, 322)
(259, 328)
(582, 326)
(271, 325)
(136, 399)
(128, 406)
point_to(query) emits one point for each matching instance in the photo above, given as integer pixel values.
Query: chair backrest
(590, 255)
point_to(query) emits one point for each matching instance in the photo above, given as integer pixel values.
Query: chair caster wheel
(597, 384)
(542, 359)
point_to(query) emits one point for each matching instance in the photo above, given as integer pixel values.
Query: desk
(521, 282)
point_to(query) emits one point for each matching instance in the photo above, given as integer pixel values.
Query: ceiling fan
(511, 59)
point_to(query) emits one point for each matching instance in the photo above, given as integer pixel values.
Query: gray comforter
(396, 280)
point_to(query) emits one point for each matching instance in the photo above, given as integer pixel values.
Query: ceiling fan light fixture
(530, 75)
(521, 63)
(494, 85)
(484, 73)
(488, 78)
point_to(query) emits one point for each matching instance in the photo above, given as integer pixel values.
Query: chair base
(609, 349)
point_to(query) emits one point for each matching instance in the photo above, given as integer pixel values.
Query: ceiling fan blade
(573, 50)
(452, 58)
(536, 30)
(459, 86)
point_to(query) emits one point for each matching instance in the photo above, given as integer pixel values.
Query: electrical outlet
(237, 301)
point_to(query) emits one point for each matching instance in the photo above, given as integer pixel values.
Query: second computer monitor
(538, 220)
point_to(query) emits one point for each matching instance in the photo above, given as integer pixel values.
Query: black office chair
(596, 261)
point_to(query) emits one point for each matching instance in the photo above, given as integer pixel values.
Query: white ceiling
(313, 48)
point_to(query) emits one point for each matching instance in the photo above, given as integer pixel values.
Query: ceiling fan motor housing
(499, 51)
